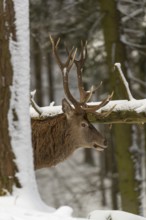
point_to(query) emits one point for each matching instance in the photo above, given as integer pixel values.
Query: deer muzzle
(100, 147)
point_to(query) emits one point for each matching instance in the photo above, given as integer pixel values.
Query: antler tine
(65, 68)
(54, 47)
(104, 102)
(92, 91)
(83, 55)
(85, 96)
(65, 81)
(71, 56)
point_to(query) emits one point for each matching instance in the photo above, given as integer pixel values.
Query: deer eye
(84, 124)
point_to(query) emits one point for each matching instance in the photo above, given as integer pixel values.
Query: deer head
(55, 138)
(80, 107)
(83, 132)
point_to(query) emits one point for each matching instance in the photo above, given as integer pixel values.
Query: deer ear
(67, 109)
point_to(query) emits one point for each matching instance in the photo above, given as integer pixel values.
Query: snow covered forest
(88, 180)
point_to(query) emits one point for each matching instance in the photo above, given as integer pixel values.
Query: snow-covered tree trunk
(16, 158)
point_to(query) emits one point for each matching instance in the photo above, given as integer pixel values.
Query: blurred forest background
(115, 32)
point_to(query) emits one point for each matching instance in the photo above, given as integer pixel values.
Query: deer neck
(59, 144)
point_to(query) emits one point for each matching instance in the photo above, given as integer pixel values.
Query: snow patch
(113, 215)
(120, 105)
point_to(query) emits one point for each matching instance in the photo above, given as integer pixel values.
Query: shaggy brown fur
(56, 138)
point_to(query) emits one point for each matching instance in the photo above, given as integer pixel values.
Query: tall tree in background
(7, 166)
(116, 52)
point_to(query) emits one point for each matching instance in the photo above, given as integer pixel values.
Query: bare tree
(7, 166)
(116, 52)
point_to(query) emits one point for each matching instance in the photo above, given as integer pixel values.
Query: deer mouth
(99, 147)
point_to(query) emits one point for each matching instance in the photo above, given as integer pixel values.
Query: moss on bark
(7, 166)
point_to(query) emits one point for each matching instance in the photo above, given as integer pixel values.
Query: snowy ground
(74, 183)
(9, 210)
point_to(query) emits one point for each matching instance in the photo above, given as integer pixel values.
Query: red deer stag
(56, 138)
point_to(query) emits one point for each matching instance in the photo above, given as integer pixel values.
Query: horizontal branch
(133, 111)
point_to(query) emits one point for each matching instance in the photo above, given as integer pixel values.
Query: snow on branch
(133, 111)
(117, 111)
(125, 83)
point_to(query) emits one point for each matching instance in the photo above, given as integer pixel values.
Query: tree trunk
(116, 52)
(37, 70)
(8, 168)
(50, 76)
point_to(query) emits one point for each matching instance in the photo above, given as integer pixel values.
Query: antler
(65, 68)
(85, 96)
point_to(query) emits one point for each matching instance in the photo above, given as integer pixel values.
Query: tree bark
(8, 168)
(116, 52)
(50, 76)
(121, 116)
(37, 69)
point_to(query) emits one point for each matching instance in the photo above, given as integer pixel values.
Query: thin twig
(125, 83)
(33, 103)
